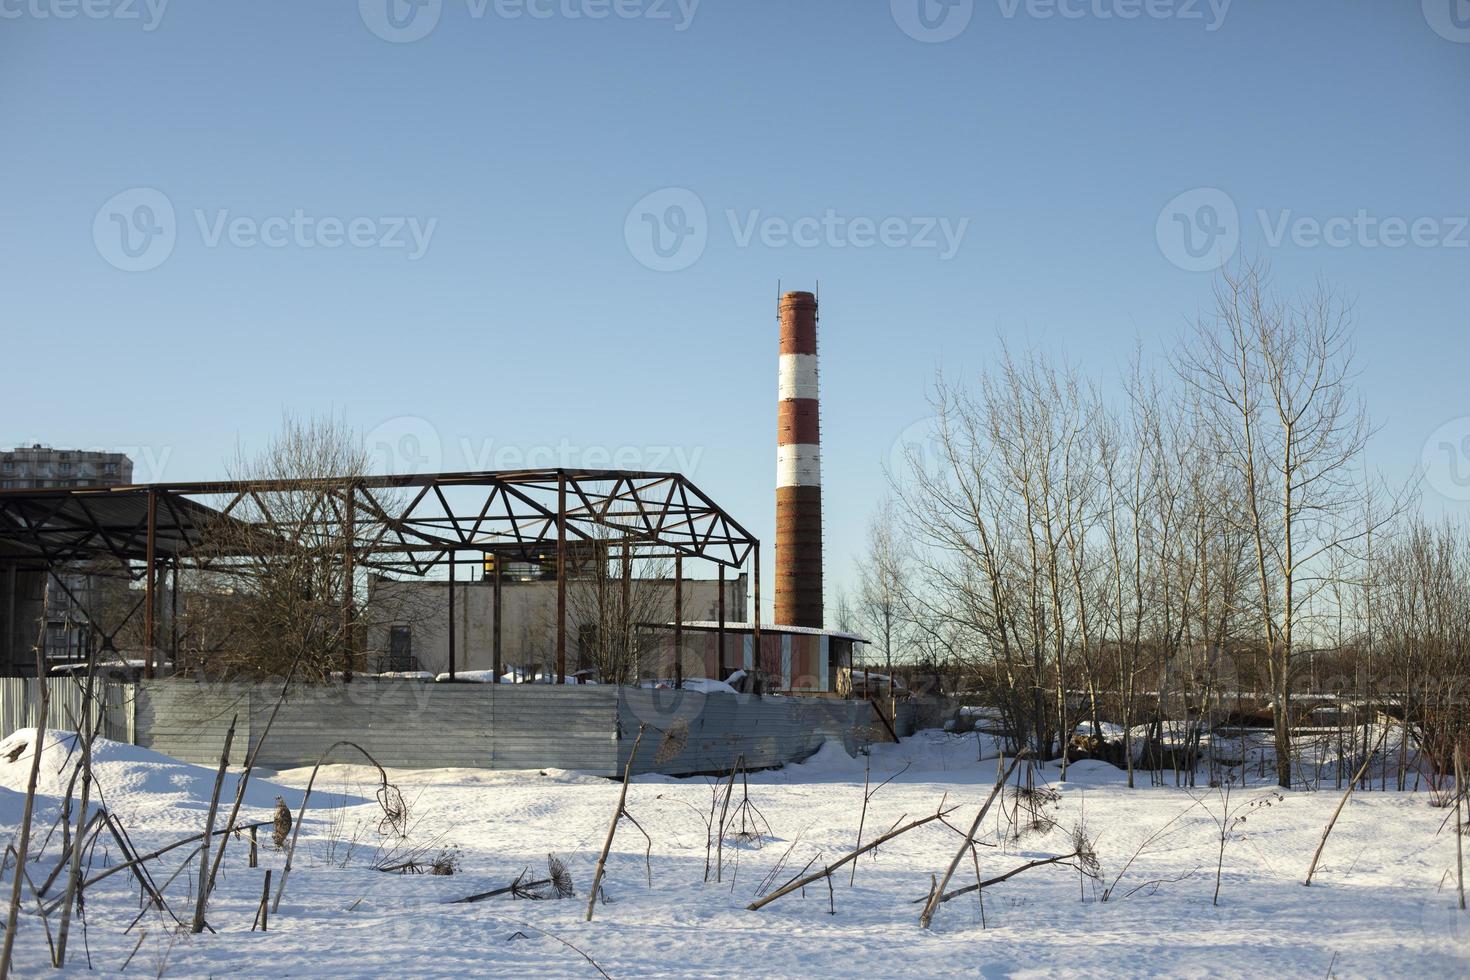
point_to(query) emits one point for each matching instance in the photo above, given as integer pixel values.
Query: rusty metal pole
(495, 640)
(755, 660)
(451, 615)
(150, 583)
(678, 622)
(348, 571)
(173, 617)
(10, 621)
(626, 618)
(561, 577)
(720, 631)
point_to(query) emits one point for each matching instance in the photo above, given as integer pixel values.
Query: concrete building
(33, 598)
(37, 467)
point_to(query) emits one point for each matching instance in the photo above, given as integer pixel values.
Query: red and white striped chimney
(798, 468)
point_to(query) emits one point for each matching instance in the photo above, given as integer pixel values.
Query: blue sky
(529, 316)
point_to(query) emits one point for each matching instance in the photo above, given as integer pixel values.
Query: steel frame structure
(408, 524)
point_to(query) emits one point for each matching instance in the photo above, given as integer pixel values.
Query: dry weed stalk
(395, 810)
(1001, 775)
(23, 843)
(618, 815)
(802, 882)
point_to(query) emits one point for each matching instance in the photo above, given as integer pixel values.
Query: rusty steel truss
(405, 524)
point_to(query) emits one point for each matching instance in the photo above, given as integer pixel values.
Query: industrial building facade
(410, 631)
(52, 607)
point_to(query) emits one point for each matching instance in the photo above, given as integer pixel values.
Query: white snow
(703, 685)
(1380, 905)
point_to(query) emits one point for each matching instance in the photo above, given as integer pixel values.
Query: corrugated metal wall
(690, 732)
(20, 699)
(513, 726)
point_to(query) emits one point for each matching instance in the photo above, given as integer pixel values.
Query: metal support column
(561, 577)
(348, 571)
(10, 628)
(495, 641)
(720, 632)
(149, 585)
(173, 617)
(451, 615)
(678, 621)
(625, 619)
(755, 660)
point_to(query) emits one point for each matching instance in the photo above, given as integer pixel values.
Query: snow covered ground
(1381, 904)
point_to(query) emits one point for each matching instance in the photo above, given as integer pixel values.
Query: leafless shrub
(1229, 817)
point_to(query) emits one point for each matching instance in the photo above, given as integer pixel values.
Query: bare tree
(611, 596)
(1274, 378)
(883, 577)
(282, 576)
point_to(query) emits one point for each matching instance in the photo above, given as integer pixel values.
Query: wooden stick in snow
(792, 886)
(935, 899)
(23, 844)
(301, 813)
(1460, 824)
(197, 926)
(1340, 804)
(83, 766)
(613, 827)
(981, 886)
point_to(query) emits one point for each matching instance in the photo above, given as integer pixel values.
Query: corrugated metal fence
(416, 725)
(496, 726)
(20, 700)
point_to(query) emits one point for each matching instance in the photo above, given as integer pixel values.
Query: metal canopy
(406, 523)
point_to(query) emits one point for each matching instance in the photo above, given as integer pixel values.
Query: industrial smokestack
(798, 468)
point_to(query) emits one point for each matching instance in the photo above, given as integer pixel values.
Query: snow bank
(703, 685)
(513, 676)
(122, 771)
(831, 759)
(1106, 729)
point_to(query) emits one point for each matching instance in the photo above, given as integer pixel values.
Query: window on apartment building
(65, 467)
(109, 467)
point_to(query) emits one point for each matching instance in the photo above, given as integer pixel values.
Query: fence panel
(20, 700)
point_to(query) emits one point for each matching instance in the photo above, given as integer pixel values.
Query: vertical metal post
(451, 615)
(678, 621)
(720, 631)
(756, 661)
(149, 582)
(625, 621)
(10, 629)
(561, 577)
(601, 552)
(348, 571)
(173, 616)
(495, 640)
